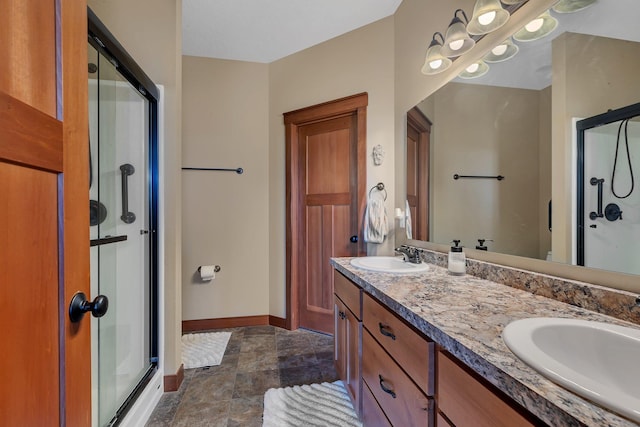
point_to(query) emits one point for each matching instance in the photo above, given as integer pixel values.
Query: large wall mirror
(509, 135)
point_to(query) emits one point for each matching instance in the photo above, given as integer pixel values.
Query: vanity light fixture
(505, 50)
(488, 15)
(475, 70)
(537, 28)
(569, 6)
(435, 62)
(457, 40)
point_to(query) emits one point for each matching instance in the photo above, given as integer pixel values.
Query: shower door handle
(594, 215)
(127, 170)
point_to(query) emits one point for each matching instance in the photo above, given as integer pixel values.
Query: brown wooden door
(44, 225)
(325, 188)
(418, 141)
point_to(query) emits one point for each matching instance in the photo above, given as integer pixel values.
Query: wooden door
(44, 223)
(326, 196)
(418, 142)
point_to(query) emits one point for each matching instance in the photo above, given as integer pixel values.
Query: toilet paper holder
(215, 269)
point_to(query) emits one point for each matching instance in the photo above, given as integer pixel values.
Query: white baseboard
(141, 410)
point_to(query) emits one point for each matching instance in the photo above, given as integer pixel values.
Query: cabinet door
(340, 338)
(347, 356)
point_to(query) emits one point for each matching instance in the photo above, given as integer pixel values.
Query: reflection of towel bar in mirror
(498, 177)
(380, 187)
(236, 170)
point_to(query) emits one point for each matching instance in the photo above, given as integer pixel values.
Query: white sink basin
(598, 361)
(388, 264)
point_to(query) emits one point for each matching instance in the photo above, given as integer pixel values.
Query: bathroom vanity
(426, 350)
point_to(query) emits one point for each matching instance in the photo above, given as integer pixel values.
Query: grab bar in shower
(127, 170)
(236, 170)
(594, 215)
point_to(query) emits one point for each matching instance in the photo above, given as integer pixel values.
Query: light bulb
(473, 68)
(456, 44)
(534, 25)
(499, 50)
(487, 18)
(435, 64)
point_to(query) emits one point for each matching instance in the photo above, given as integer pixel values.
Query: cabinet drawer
(348, 292)
(402, 402)
(372, 414)
(413, 352)
(467, 402)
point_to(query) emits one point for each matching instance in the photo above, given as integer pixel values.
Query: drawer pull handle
(384, 330)
(342, 315)
(385, 388)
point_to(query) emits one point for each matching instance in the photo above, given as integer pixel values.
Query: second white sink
(388, 264)
(596, 360)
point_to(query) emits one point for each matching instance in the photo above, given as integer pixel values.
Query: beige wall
(360, 61)
(590, 75)
(151, 31)
(225, 216)
(544, 172)
(486, 130)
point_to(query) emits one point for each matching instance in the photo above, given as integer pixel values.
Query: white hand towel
(375, 219)
(407, 220)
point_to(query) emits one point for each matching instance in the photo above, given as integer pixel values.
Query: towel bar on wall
(236, 170)
(498, 177)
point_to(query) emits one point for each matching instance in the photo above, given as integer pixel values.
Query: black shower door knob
(79, 306)
(354, 239)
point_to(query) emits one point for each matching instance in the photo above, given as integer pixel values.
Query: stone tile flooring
(257, 358)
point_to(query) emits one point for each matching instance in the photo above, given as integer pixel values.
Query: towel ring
(380, 187)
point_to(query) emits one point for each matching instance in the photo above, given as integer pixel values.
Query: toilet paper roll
(207, 272)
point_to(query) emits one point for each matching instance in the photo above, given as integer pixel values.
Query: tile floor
(257, 358)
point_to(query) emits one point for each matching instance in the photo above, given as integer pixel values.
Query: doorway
(326, 174)
(123, 192)
(418, 146)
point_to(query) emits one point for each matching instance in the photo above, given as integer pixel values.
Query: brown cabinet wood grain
(372, 413)
(348, 338)
(467, 402)
(400, 399)
(411, 351)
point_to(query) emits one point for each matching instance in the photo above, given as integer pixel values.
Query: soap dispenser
(457, 260)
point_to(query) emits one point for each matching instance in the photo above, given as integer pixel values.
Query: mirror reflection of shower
(608, 223)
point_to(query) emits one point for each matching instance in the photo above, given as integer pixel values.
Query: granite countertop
(466, 315)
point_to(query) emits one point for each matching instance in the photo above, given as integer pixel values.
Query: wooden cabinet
(348, 337)
(465, 401)
(395, 376)
(397, 366)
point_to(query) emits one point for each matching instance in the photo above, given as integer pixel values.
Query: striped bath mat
(204, 349)
(321, 405)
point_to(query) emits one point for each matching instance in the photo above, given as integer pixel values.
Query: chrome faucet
(409, 254)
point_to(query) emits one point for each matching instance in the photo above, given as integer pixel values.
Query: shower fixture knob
(79, 306)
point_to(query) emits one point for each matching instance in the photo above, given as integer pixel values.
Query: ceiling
(267, 30)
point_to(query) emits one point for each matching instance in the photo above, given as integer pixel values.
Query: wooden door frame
(417, 120)
(351, 105)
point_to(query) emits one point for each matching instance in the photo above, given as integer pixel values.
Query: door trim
(417, 120)
(355, 104)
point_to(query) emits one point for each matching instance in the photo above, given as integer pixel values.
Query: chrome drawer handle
(385, 388)
(384, 330)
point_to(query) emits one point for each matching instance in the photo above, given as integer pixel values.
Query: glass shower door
(120, 253)
(611, 200)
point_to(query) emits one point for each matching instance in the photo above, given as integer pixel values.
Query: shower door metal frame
(104, 42)
(582, 126)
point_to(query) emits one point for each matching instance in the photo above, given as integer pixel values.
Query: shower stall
(608, 205)
(123, 111)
